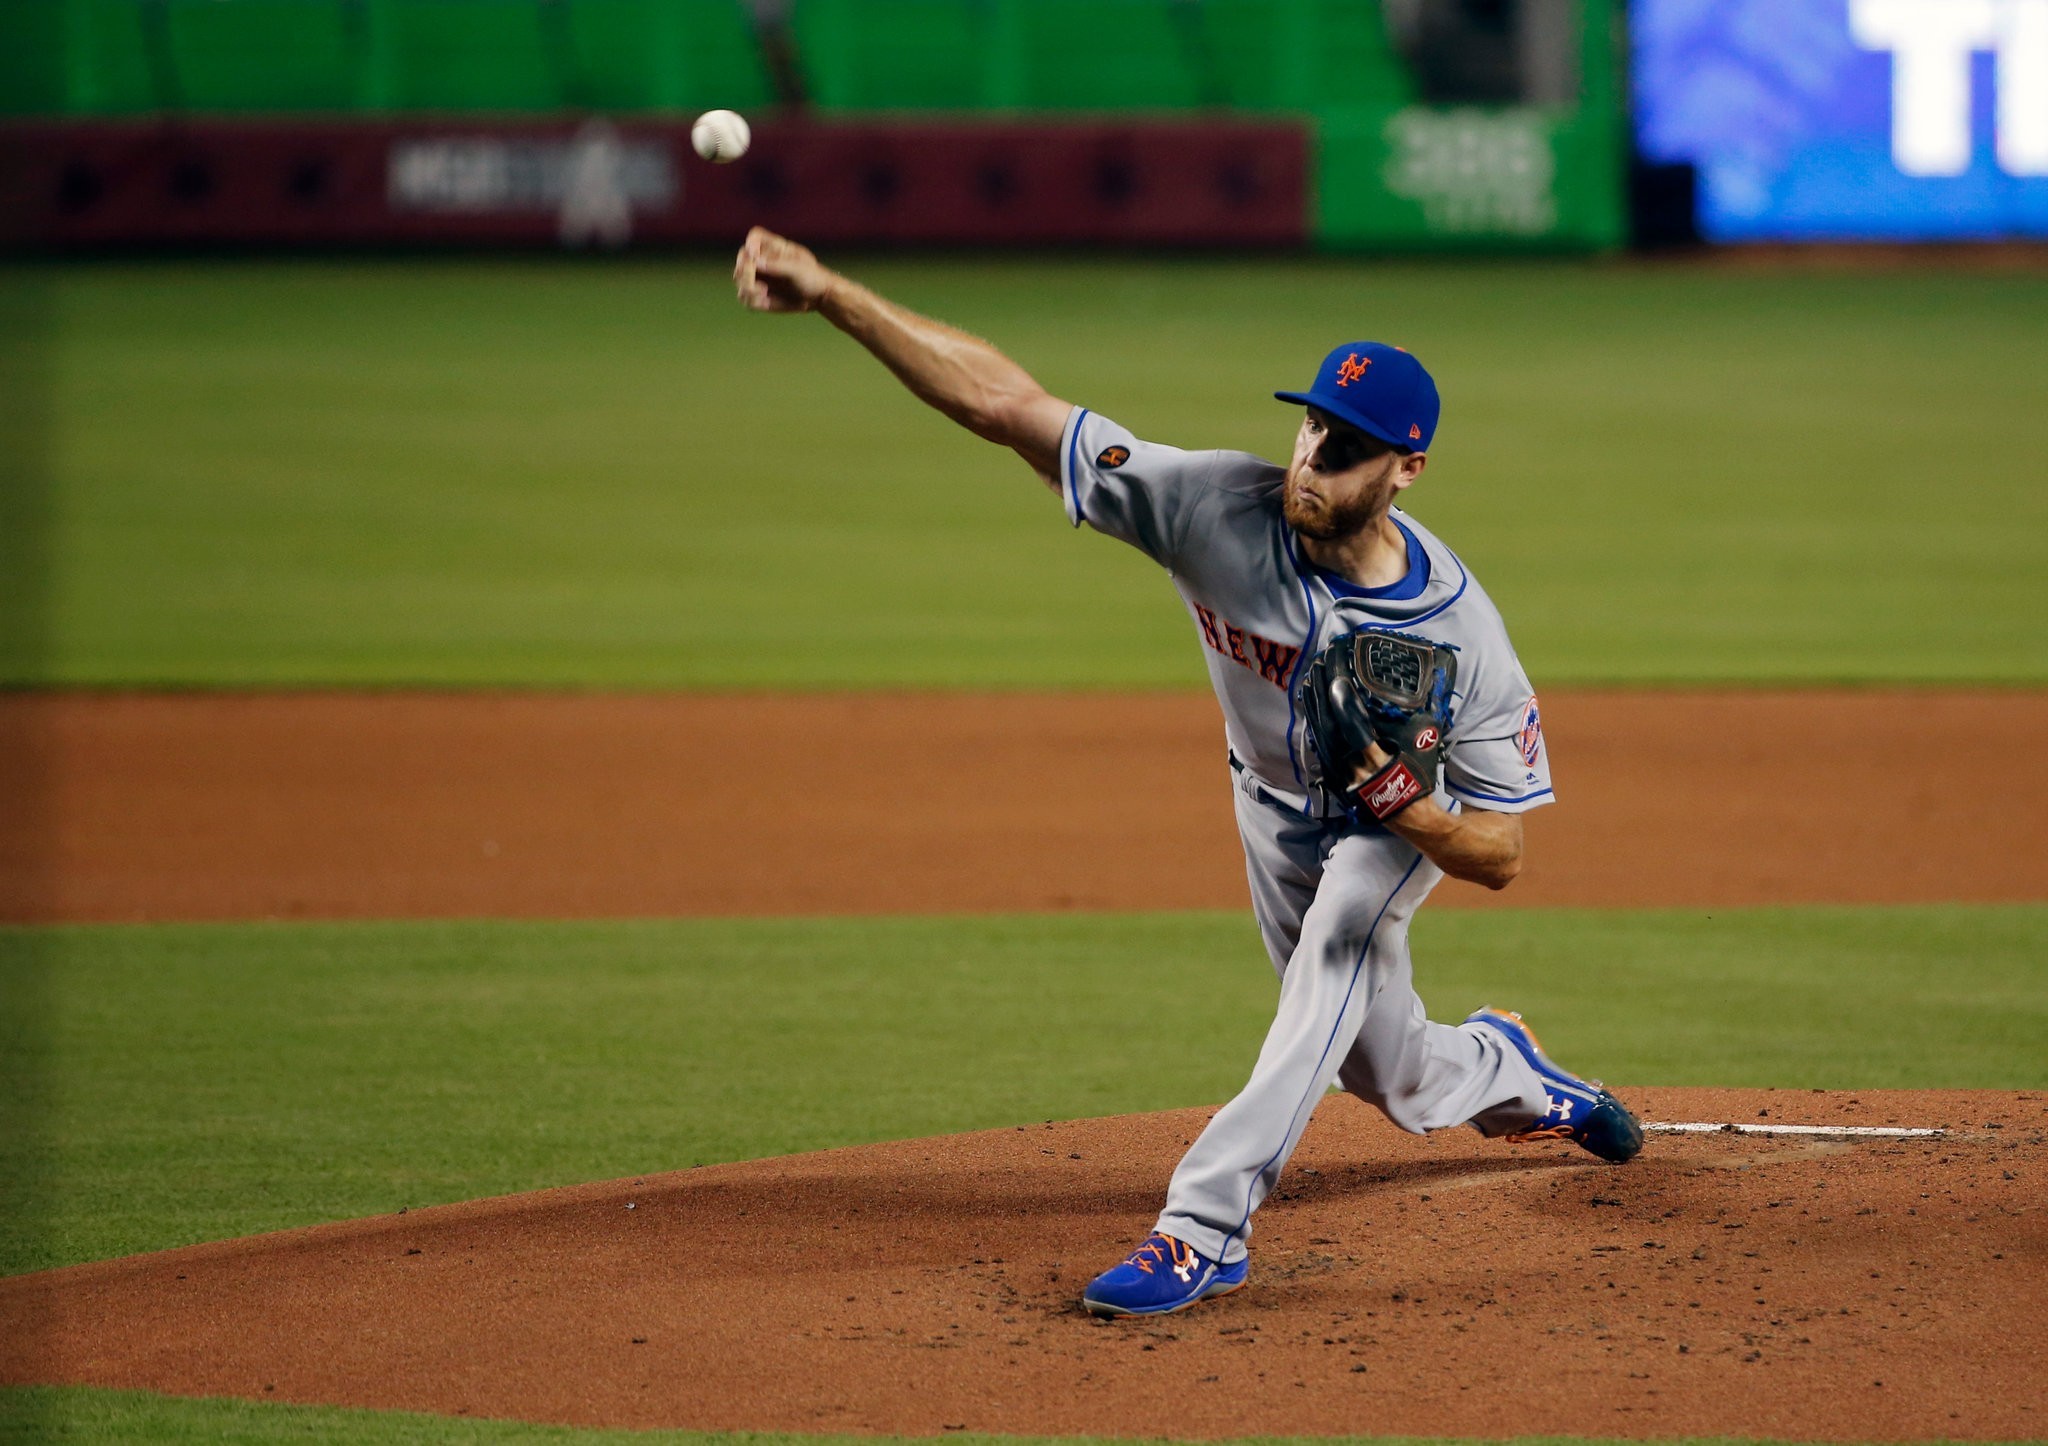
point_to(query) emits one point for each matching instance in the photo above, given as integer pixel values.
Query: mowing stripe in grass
(78, 1416)
(207, 1081)
(609, 475)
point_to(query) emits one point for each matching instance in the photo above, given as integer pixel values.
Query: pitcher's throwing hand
(773, 273)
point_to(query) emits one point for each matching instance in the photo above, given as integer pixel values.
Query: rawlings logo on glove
(1390, 790)
(1390, 689)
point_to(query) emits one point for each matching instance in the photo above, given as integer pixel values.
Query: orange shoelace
(1146, 1255)
(1552, 1132)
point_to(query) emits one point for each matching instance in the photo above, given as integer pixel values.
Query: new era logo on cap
(1377, 388)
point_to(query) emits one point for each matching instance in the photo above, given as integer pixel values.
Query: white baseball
(721, 135)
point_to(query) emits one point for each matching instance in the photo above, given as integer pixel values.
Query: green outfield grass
(82, 1415)
(534, 473)
(197, 1082)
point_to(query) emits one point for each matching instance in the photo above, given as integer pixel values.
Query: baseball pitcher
(1381, 734)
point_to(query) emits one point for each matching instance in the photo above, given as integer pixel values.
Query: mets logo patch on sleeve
(1530, 738)
(1113, 457)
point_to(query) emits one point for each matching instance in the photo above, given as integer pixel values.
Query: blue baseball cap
(1377, 388)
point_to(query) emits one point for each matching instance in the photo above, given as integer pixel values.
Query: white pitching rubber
(1842, 1132)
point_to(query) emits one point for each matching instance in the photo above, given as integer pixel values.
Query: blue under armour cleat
(1580, 1110)
(1162, 1276)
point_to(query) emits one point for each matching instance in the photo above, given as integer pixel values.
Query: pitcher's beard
(1324, 521)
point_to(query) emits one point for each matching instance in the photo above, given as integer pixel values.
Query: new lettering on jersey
(1258, 607)
(1270, 660)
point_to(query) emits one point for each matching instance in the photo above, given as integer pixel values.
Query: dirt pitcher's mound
(1874, 1289)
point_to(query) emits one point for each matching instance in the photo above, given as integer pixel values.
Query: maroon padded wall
(461, 182)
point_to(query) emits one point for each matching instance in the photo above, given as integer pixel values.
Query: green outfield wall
(1390, 172)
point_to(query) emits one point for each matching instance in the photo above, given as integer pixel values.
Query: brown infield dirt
(1855, 1289)
(211, 806)
(1881, 1290)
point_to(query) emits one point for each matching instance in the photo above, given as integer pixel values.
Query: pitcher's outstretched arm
(961, 375)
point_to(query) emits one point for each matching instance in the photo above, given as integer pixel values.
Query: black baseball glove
(1393, 689)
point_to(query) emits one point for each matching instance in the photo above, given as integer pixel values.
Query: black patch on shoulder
(1113, 458)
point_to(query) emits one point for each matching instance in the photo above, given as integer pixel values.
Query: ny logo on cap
(1351, 369)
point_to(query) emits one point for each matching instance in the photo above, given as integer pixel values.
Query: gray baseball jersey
(1261, 609)
(1333, 897)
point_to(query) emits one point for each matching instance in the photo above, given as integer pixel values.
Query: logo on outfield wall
(1474, 172)
(1933, 45)
(592, 182)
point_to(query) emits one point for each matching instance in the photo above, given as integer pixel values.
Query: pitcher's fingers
(754, 292)
(773, 267)
(762, 246)
(755, 246)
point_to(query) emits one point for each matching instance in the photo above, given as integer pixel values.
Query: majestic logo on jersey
(1351, 369)
(1113, 457)
(1425, 739)
(1530, 738)
(1270, 660)
(1415, 431)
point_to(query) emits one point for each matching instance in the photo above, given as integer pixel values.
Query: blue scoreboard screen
(1906, 120)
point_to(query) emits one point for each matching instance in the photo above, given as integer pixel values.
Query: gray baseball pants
(1333, 904)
